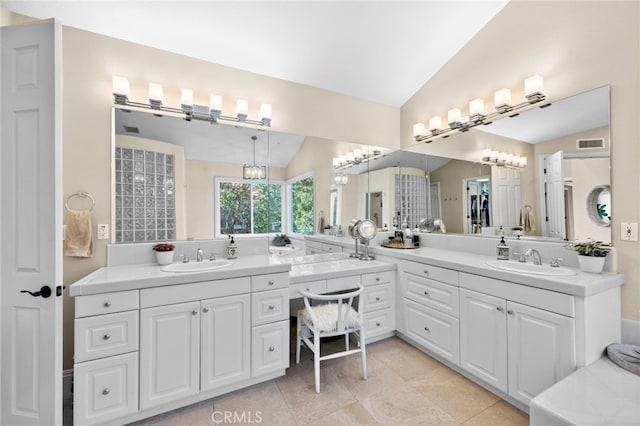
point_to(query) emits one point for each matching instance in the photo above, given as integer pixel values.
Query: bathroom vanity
(149, 341)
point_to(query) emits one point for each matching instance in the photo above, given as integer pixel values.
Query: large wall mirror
(567, 145)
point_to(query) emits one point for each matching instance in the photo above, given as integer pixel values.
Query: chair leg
(316, 360)
(346, 341)
(363, 354)
(298, 341)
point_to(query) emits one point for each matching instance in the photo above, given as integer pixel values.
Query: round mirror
(599, 205)
(366, 229)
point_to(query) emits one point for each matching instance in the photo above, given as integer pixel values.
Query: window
(301, 205)
(145, 197)
(248, 208)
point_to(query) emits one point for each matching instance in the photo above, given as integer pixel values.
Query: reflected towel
(527, 219)
(78, 237)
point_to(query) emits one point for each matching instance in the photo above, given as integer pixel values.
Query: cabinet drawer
(315, 287)
(434, 330)
(377, 278)
(269, 348)
(269, 281)
(377, 297)
(377, 323)
(269, 306)
(105, 335)
(105, 389)
(444, 275)
(343, 283)
(172, 294)
(106, 303)
(434, 294)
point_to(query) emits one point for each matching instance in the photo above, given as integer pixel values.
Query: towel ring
(80, 195)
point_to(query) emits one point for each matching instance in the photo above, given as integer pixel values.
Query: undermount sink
(530, 269)
(206, 265)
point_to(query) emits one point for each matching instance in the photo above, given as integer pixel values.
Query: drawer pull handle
(427, 329)
(426, 293)
(107, 304)
(499, 308)
(377, 278)
(105, 391)
(271, 282)
(205, 310)
(271, 307)
(377, 324)
(510, 312)
(271, 349)
(426, 272)
(377, 299)
(194, 312)
(106, 337)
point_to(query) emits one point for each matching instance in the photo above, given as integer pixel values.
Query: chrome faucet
(535, 254)
(199, 255)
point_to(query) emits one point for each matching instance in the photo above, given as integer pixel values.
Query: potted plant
(164, 253)
(591, 255)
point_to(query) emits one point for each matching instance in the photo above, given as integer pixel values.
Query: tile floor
(405, 386)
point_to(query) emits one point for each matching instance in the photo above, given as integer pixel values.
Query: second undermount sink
(530, 269)
(206, 265)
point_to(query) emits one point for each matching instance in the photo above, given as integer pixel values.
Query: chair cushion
(327, 316)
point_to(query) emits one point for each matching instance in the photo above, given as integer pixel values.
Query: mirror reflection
(176, 179)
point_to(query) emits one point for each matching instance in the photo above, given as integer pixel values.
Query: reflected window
(144, 195)
(301, 205)
(248, 208)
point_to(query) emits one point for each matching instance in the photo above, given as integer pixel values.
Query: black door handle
(45, 291)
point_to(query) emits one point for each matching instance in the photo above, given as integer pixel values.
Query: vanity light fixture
(533, 91)
(502, 159)
(341, 178)
(253, 171)
(211, 113)
(357, 156)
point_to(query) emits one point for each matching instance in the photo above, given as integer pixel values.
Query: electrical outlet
(629, 231)
(103, 231)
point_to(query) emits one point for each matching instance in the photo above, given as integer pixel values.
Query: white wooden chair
(336, 316)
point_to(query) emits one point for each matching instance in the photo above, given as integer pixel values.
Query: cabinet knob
(271, 349)
(271, 282)
(427, 329)
(426, 272)
(271, 307)
(377, 278)
(105, 391)
(194, 312)
(106, 337)
(377, 324)
(499, 308)
(205, 310)
(509, 311)
(107, 304)
(426, 293)
(377, 299)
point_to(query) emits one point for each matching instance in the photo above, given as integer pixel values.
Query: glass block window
(145, 196)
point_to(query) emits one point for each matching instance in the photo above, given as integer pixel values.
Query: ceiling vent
(131, 129)
(591, 143)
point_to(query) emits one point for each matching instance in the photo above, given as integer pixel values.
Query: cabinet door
(541, 350)
(436, 331)
(270, 348)
(483, 337)
(225, 353)
(169, 353)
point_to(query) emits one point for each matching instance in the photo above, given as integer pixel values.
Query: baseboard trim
(67, 385)
(630, 331)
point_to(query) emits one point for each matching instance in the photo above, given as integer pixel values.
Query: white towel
(527, 219)
(78, 237)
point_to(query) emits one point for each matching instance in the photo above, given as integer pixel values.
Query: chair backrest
(344, 301)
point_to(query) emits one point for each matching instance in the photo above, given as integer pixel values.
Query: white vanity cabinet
(518, 348)
(430, 307)
(192, 347)
(106, 357)
(316, 247)
(378, 305)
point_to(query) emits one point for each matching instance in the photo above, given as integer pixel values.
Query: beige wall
(576, 46)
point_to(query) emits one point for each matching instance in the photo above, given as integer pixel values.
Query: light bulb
(454, 116)
(476, 108)
(533, 86)
(242, 107)
(418, 130)
(435, 124)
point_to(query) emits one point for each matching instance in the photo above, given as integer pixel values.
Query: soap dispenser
(232, 249)
(502, 250)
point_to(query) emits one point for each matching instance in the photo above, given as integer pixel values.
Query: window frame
(289, 202)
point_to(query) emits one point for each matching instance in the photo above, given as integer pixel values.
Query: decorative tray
(396, 245)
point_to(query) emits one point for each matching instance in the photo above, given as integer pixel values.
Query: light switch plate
(629, 231)
(103, 231)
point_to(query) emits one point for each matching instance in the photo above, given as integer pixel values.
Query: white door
(554, 198)
(505, 196)
(541, 350)
(225, 353)
(31, 226)
(169, 353)
(483, 337)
